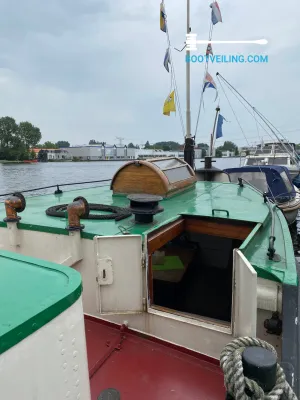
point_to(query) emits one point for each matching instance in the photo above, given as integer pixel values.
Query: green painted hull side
(242, 204)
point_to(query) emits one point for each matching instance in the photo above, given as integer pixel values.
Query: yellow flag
(169, 104)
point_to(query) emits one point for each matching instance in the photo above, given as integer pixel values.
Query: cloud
(92, 69)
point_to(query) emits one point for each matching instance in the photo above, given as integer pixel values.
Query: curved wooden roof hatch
(159, 176)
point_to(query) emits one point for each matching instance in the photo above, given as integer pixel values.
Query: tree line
(16, 140)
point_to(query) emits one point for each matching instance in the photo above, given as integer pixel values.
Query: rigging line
(205, 72)
(268, 133)
(269, 124)
(233, 111)
(257, 128)
(174, 79)
(259, 114)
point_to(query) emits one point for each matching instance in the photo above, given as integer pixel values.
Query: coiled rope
(236, 382)
(117, 213)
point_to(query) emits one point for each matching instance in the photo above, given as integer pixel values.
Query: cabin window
(170, 163)
(177, 174)
(191, 267)
(256, 161)
(257, 179)
(287, 182)
(278, 161)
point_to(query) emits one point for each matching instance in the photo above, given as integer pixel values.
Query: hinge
(144, 304)
(143, 260)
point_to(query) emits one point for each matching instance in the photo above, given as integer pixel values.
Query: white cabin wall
(207, 339)
(49, 364)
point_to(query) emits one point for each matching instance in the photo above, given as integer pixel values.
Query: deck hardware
(219, 210)
(109, 394)
(58, 190)
(144, 207)
(240, 182)
(116, 213)
(123, 230)
(14, 204)
(274, 324)
(76, 210)
(105, 271)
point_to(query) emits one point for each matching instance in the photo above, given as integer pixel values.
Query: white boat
(275, 153)
(140, 302)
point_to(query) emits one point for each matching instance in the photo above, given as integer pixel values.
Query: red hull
(141, 368)
(30, 161)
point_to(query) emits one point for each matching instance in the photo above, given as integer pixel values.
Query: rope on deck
(117, 213)
(235, 381)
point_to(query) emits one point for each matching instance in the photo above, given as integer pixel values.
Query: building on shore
(113, 152)
(228, 153)
(45, 155)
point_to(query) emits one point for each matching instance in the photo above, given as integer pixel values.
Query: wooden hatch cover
(158, 176)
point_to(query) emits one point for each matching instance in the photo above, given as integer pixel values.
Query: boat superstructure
(177, 259)
(168, 266)
(275, 153)
(275, 182)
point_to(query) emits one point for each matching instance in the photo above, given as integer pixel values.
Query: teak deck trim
(197, 225)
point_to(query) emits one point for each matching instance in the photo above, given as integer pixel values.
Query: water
(18, 177)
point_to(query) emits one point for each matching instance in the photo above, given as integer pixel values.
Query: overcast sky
(93, 69)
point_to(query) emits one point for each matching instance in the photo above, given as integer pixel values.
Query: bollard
(259, 365)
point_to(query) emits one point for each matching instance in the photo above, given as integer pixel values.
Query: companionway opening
(191, 267)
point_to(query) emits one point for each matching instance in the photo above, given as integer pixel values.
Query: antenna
(120, 139)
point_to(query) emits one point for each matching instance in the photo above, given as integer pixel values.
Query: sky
(93, 69)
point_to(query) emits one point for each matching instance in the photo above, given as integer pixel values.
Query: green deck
(243, 204)
(32, 293)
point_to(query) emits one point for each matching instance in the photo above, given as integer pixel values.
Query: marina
(162, 273)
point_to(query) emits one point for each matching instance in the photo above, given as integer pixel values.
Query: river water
(18, 177)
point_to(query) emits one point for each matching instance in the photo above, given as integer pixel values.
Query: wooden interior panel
(218, 228)
(138, 179)
(164, 235)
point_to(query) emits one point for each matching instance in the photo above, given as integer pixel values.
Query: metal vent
(144, 207)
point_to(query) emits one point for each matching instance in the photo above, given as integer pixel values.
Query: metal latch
(105, 271)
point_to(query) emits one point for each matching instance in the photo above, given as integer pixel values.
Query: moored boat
(188, 263)
(275, 182)
(173, 266)
(275, 153)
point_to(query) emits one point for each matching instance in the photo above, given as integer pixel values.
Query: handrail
(271, 250)
(57, 186)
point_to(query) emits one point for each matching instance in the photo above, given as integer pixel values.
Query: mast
(189, 154)
(188, 76)
(212, 136)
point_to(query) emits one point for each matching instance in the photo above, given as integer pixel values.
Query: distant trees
(62, 143)
(165, 146)
(204, 147)
(91, 142)
(17, 139)
(49, 145)
(131, 146)
(227, 146)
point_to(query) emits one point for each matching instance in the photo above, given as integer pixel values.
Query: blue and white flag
(210, 83)
(219, 132)
(215, 13)
(167, 60)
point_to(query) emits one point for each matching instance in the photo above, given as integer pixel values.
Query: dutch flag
(215, 13)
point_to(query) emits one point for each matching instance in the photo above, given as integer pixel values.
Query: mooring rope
(236, 382)
(116, 213)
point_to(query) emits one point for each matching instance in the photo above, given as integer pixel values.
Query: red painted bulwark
(142, 369)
